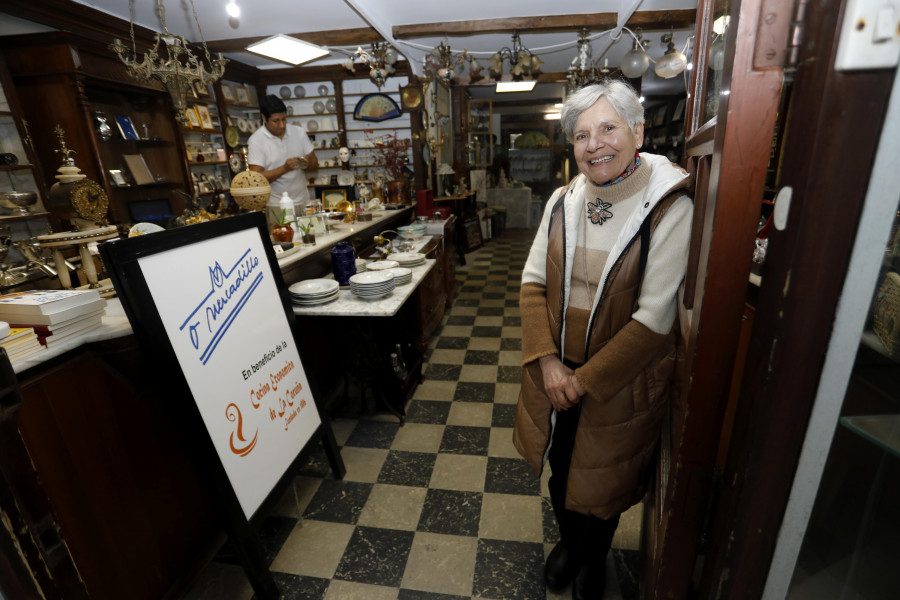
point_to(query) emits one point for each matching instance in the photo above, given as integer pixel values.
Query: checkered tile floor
(443, 507)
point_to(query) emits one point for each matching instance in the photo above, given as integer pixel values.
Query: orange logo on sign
(233, 414)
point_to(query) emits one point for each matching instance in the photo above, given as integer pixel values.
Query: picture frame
(331, 197)
(242, 94)
(126, 127)
(228, 93)
(205, 117)
(118, 177)
(659, 117)
(201, 89)
(139, 170)
(192, 116)
(679, 109)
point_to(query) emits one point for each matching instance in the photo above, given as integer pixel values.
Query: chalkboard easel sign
(209, 304)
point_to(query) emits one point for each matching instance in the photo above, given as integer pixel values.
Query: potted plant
(307, 234)
(392, 153)
(281, 229)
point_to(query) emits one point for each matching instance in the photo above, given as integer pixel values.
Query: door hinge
(779, 34)
(795, 37)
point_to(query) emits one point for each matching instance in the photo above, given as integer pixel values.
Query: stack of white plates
(382, 265)
(408, 259)
(314, 291)
(402, 275)
(361, 265)
(372, 284)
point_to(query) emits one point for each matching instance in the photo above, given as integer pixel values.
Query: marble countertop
(348, 305)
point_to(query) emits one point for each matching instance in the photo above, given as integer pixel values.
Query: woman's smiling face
(604, 145)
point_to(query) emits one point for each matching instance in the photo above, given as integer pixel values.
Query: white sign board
(225, 320)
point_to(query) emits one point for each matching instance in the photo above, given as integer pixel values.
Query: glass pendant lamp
(672, 63)
(635, 62)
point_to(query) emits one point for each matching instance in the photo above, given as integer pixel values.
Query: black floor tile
(272, 534)
(489, 332)
(452, 343)
(451, 512)
(512, 321)
(511, 302)
(508, 374)
(460, 439)
(296, 587)
(407, 468)
(494, 295)
(467, 302)
(511, 476)
(490, 311)
(431, 412)
(504, 415)
(481, 357)
(509, 570)
(460, 320)
(373, 434)
(441, 372)
(375, 556)
(338, 501)
(510, 343)
(474, 391)
(419, 595)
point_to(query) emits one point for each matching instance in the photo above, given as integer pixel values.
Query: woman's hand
(559, 383)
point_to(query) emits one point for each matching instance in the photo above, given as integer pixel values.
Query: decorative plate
(285, 92)
(346, 178)
(232, 136)
(235, 162)
(411, 97)
(299, 91)
(243, 125)
(331, 105)
(376, 107)
(319, 107)
(312, 125)
(143, 229)
(290, 110)
(323, 90)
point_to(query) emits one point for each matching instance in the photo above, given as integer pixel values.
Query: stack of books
(19, 342)
(54, 315)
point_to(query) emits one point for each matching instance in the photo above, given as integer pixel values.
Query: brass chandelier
(380, 60)
(180, 68)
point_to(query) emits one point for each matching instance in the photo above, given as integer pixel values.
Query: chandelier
(522, 62)
(180, 68)
(440, 63)
(380, 60)
(583, 70)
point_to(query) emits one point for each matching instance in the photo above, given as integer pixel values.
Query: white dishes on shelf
(331, 105)
(372, 284)
(407, 259)
(361, 265)
(299, 91)
(346, 178)
(402, 275)
(322, 89)
(243, 124)
(382, 265)
(319, 107)
(284, 92)
(312, 125)
(314, 291)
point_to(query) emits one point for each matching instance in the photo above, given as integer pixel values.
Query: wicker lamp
(250, 189)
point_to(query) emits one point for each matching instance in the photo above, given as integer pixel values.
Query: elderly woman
(598, 305)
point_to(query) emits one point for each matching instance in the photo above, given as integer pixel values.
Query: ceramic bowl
(411, 232)
(18, 201)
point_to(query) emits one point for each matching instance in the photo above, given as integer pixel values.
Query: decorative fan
(376, 107)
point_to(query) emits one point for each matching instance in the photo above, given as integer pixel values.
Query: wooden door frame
(831, 138)
(721, 262)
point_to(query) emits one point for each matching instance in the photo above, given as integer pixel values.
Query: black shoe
(560, 568)
(589, 583)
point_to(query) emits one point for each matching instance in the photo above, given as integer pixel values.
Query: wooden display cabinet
(63, 79)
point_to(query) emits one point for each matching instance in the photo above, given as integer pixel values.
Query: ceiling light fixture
(522, 61)
(179, 70)
(673, 62)
(288, 49)
(636, 62)
(233, 10)
(515, 86)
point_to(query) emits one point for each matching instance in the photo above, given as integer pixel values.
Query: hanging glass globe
(672, 63)
(635, 62)
(717, 54)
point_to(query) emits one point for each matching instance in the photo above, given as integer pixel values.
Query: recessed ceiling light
(288, 49)
(551, 116)
(515, 86)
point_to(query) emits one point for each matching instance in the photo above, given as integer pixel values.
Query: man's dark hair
(270, 105)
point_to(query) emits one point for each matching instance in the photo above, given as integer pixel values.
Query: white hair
(618, 93)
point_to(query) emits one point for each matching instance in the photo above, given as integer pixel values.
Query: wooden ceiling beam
(647, 20)
(356, 36)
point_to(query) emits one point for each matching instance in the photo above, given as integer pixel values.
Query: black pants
(588, 538)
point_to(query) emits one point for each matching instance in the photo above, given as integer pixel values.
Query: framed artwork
(659, 117)
(203, 114)
(679, 109)
(201, 89)
(126, 127)
(376, 107)
(138, 168)
(228, 93)
(331, 197)
(193, 119)
(242, 94)
(118, 177)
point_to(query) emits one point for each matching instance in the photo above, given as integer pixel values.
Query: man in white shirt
(281, 152)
